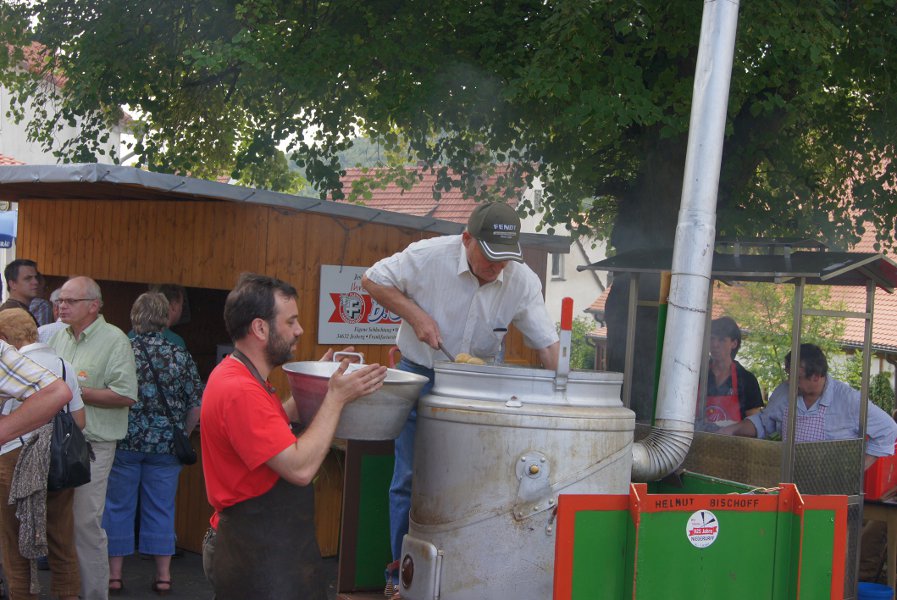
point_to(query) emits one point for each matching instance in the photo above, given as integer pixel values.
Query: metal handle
(359, 355)
(563, 368)
(451, 357)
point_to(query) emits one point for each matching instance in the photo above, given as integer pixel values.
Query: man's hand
(299, 462)
(426, 329)
(346, 387)
(395, 301)
(744, 428)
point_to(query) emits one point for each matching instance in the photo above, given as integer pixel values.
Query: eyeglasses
(64, 301)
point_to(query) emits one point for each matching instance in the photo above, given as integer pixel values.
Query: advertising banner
(347, 315)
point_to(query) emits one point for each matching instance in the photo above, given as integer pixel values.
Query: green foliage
(850, 371)
(593, 97)
(582, 353)
(271, 173)
(881, 393)
(765, 313)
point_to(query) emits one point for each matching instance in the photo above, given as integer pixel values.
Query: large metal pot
(495, 447)
(377, 416)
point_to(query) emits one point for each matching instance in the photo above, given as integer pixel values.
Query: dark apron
(265, 548)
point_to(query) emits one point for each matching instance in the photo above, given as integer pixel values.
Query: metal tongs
(451, 356)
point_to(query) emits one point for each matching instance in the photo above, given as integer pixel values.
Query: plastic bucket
(874, 591)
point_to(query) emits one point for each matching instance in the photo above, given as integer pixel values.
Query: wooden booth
(128, 228)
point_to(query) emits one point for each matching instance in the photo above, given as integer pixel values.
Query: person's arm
(120, 378)
(753, 397)
(35, 410)
(79, 418)
(104, 398)
(549, 356)
(394, 300)
(744, 428)
(299, 463)
(881, 433)
(192, 420)
(193, 389)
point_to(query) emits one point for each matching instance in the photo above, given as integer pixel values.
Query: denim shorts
(153, 479)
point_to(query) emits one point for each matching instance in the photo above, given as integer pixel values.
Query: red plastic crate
(880, 480)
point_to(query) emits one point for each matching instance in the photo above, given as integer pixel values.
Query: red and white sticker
(702, 528)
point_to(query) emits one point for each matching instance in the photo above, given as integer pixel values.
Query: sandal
(120, 585)
(161, 591)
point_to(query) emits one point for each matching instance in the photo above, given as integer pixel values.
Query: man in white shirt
(461, 291)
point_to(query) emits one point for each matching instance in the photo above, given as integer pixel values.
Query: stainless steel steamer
(495, 447)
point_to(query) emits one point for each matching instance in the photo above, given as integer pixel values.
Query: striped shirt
(20, 377)
(43, 356)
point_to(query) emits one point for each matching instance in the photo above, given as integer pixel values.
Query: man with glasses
(104, 363)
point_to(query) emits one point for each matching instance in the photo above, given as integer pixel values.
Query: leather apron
(265, 547)
(724, 408)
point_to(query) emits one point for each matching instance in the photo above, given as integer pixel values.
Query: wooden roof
(117, 183)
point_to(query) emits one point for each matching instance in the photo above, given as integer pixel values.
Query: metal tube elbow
(662, 451)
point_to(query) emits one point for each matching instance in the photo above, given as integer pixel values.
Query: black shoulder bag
(183, 448)
(69, 451)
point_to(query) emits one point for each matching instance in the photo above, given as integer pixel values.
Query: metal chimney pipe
(667, 445)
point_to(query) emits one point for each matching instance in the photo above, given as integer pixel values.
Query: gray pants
(90, 537)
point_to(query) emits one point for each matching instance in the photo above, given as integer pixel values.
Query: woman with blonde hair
(17, 328)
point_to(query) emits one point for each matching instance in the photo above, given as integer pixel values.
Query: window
(557, 266)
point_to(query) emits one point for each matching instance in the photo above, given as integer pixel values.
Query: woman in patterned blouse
(145, 462)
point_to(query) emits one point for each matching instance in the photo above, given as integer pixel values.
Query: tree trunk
(646, 219)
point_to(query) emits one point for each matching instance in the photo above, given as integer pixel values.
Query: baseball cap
(496, 226)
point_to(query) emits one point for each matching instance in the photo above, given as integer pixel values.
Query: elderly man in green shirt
(104, 362)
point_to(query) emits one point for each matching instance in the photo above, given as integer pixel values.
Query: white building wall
(584, 287)
(14, 140)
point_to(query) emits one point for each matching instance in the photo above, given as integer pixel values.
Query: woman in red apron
(733, 392)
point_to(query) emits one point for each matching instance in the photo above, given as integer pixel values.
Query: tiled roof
(599, 303)
(419, 201)
(8, 161)
(599, 333)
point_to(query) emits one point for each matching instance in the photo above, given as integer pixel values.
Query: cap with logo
(496, 226)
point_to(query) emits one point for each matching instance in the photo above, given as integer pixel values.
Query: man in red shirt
(257, 472)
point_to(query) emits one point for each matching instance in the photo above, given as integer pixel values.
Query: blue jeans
(400, 487)
(155, 478)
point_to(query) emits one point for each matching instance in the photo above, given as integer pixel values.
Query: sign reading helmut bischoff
(347, 314)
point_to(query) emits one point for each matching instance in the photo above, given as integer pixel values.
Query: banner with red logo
(347, 314)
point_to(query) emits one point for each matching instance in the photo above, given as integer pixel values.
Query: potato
(464, 357)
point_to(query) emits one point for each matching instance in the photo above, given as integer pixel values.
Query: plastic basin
(873, 591)
(377, 416)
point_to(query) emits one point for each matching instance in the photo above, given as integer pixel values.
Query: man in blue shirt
(827, 409)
